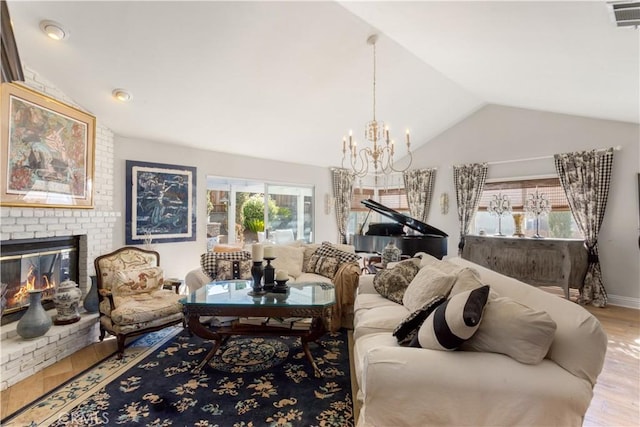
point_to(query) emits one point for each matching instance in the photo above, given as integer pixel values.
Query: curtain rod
(529, 159)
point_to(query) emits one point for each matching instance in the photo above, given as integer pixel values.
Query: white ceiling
(287, 80)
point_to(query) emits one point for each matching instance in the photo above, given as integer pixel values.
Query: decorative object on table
(256, 274)
(537, 205)
(48, 160)
(67, 301)
(382, 151)
(499, 205)
(35, 322)
(282, 276)
(160, 203)
(390, 253)
(269, 270)
(91, 302)
(518, 220)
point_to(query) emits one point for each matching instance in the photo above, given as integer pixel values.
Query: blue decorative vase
(35, 322)
(90, 302)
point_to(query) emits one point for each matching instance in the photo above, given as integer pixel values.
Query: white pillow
(289, 258)
(514, 329)
(427, 284)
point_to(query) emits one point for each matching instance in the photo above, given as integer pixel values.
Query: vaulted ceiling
(287, 80)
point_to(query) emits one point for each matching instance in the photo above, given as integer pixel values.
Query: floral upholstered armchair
(132, 295)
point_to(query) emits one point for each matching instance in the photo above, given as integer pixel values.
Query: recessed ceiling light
(122, 95)
(53, 30)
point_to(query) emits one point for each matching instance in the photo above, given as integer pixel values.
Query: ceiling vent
(625, 13)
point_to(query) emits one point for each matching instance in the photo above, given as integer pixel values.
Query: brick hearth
(22, 358)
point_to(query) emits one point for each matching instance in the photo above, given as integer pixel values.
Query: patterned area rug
(250, 382)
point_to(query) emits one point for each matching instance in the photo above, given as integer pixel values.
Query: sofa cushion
(454, 321)
(329, 249)
(312, 277)
(289, 258)
(406, 331)
(208, 260)
(428, 283)
(381, 319)
(227, 269)
(137, 281)
(514, 329)
(392, 283)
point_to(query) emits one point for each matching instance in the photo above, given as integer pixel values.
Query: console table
(538, 262)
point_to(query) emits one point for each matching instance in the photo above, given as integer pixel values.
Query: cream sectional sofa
(408, 386)
(294, 258)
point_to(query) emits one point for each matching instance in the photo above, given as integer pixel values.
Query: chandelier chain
(374, 82)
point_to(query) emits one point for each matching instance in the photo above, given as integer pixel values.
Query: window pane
(559, 223)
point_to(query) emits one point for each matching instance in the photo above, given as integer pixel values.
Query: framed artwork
(161, 203)
(48, 151)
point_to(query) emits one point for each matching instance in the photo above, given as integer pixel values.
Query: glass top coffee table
(231, 298)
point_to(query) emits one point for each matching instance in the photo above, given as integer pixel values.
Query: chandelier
(381, 150)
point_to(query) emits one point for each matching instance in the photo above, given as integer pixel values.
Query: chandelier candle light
(381, 153)
(537, 204)
(499, 205)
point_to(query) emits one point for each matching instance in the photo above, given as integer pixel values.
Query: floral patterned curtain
(585, 177)
(342, 191)
(418, 184)
(469, 181)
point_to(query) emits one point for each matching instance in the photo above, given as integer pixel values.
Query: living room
(516, 140)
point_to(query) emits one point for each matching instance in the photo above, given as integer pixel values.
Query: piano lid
(403, 219)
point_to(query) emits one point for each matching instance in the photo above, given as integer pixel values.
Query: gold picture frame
(48, 151)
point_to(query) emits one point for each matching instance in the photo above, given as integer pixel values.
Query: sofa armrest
(492, 388)
(345, 282)
(195, 279)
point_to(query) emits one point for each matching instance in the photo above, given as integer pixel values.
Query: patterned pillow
(393, 282)
(228, 269)
(324, 265)
(208, 260)
(454, 321)
(328, 249)
(408, 328)
(137, 281)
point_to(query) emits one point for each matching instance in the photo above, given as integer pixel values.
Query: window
(558, 224)
(258, 211)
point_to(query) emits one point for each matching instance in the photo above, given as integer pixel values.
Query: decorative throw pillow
(328, 249)
(208, 260)
(516, 330)
(228, 269)
(408, 328)
(309, 249)
(427, 283)
(454, 321)
(323, 265)
(288, 258)
(137, 281)
(466, 280)
(391, 283)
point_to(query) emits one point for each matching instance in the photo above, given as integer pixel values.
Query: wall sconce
(329, 203)
(444, 203)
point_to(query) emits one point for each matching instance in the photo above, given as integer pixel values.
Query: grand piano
(427, 238)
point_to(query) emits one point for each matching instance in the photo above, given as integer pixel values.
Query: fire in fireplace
(35, 264)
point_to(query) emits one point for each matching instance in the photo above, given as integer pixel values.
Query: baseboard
(621, 301)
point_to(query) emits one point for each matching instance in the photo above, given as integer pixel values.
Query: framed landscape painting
(161, 203)
(48, 151)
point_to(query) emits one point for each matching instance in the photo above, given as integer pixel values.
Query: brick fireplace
(93, 228)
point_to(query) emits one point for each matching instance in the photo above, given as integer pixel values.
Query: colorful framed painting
(48, 151)
(161, 203)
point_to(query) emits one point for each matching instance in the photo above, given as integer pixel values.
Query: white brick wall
(95, 226)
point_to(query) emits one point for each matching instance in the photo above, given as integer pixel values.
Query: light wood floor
(615, 402)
